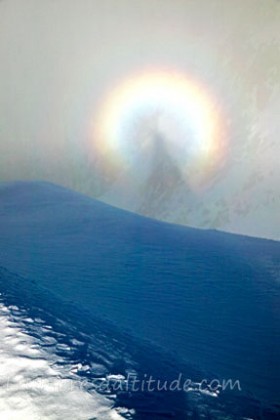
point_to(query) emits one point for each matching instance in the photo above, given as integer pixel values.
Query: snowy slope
(206, 298)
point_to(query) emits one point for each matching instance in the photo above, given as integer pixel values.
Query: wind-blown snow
(31, 387)
(203, 298)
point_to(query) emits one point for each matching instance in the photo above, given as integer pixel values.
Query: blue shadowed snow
(205, 298)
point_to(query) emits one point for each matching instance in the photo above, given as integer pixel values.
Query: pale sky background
(59, 59)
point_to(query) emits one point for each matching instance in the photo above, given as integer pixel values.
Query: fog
(60, 60)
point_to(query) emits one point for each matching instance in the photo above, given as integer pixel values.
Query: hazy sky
(61, 59)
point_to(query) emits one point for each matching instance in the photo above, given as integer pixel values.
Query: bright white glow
(32, 388)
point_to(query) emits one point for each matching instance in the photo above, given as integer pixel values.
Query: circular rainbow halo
(163, 105)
